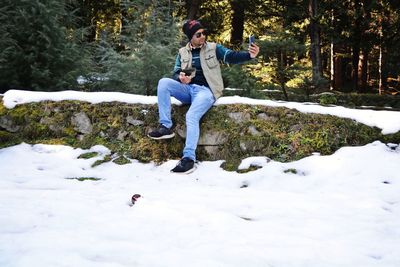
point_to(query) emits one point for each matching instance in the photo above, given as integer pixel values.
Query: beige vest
(209, 64)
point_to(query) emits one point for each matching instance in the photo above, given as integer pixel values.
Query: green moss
(250, 169)
(121, 160)
(99, 162)
(289, 135)
(88, 155)
(69, 132)
(230, 165)
(147, 150)
(34, 131)
(3, 109)
(293, 171)
(8, 139)
(391, 138)
(283, 134)
(52, 141)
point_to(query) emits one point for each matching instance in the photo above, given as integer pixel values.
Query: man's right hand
(184, 79)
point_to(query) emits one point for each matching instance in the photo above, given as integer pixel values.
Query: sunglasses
(198, 35)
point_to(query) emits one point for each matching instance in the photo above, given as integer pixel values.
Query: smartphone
(189, 71)
(252, 38)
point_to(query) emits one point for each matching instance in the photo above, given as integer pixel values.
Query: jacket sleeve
(231, 57)
(177, 68)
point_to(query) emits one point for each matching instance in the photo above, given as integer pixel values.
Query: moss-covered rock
(229, 132)
(391, 102)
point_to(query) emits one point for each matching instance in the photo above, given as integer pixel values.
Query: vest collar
(189, 46)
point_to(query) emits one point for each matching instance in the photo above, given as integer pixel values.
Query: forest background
(307, 46)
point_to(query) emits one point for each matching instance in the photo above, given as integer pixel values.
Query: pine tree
(37, 50)
(149, 41)
(278, 52)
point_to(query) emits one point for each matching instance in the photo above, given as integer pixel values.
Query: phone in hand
(252, 38)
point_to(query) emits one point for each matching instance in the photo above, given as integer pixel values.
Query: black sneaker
(185, 165)
(161, 133)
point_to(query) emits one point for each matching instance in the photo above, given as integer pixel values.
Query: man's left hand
(184, 79)
(253, 50)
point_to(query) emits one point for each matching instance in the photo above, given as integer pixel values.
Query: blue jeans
(200, 99)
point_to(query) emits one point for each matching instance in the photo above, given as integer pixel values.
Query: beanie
(190, 27)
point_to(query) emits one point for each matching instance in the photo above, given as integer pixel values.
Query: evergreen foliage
(37, 50)
(277, 52)
(133, 43)
(146, 51)
(240, 81)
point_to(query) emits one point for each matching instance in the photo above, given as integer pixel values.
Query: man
(197, 81)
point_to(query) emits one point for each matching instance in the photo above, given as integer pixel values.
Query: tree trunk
(357, 31)
(281, 76)
(338, 77)
(237, 23)
(366, 45)
(193, 7)
(147, 86)
(382, 51)
(383, 75)
(363, 71)
(354, 66)
(332, 56)
(315, 41)
(332, 67)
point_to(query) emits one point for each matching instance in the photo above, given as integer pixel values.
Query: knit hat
(191, 27)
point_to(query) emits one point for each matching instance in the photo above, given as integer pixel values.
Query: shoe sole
(168, 136)
(186, 172)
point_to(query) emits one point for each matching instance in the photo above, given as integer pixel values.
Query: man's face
(198, 38)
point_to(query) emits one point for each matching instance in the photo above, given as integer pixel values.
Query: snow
(338, 210)
(253, 161)
(388, 121)
(341, 210)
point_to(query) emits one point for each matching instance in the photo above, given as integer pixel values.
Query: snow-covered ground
(321, 211)
(339, 210)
